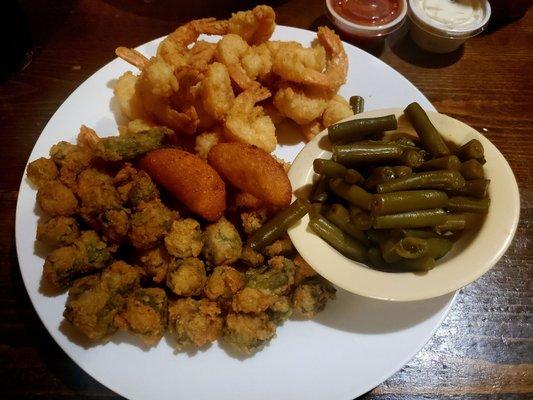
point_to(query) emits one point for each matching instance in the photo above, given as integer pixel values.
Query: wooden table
(483, 349)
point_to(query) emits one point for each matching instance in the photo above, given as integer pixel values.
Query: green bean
(404, 144)
(411, 219)
(379, 175)
(417, 265)
(482, 160)
(472, 169)
(388, 252)
(360, 219)
(470, 150)
(438, 247)
(277, 225)
(357, 153)
(356, 129)
(405, 141)
(353, 193)
(340, 216)
(375, 258)
(446, 162)
(358, 104)
(474, 188)
(410, 200)
(329, 168)
(412, 158)
(317, 209)
(320, 194)
(352, 176)
(457, 222)
(376, 236)
(408, 247)
(444, 180)
(346, 245)
(466, 204)
(430, 138)
(402, 170)
(417, 233)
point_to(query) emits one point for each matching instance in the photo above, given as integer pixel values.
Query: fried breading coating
(251, 257)
(94, 301)
(145, 314)
(217, 93)
(311, 295)
(253, 171)
(41, 171)
(58, 231)
(253, 220)
(115, 224)
(276, 278)
(55, 199)
(184, 239)
(303, 270)
(205, 141)
(134, 185)
(253, 300)
(223, 283)
(223, 244)
(194, 323)
(248, 333)
(71, 160)
(302, 105)
(128, 97)
(280, 311)
(279, 247)
(97, 194)
(150, 223)
(255, 26)
(87, 254)
(190, 179)
(337, 109)
(187, 277)
(155, 263)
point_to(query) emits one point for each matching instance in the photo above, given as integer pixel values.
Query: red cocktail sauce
(368, 12)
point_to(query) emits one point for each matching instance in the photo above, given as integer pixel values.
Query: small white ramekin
(438, 39)
(364, 34)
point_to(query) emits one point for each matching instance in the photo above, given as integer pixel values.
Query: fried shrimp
(295, 63)
(216, 92)
(337, 108)
(155, 86)
(247, 123)
(255, 26)
(302, 105)
(128, 98)
(131, 56)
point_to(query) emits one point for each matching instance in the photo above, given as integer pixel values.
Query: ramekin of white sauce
(441, 26)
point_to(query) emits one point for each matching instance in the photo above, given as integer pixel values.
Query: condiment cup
(366, 35)
(435, 37)
(471, 256)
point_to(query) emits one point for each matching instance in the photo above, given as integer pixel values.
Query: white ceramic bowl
(472, 255)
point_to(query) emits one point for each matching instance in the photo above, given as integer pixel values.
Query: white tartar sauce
(452, 13)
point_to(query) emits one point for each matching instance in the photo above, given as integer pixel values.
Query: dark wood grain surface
(484, 349)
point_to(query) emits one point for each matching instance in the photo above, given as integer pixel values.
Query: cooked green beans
(470, 150)
(357, 129)
(466, 204)
(278, 224)
(356, 153)
(430, 138)
(329, 168)
(346, 245)
(358, 104)
(340, 217)
(411, 219)
(408, 198)
(444, 180)
(447, 162)
(353, 193)
(472, 169)
(475, 188)
(411, 200)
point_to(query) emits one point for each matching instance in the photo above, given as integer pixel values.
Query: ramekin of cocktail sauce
(367, 22)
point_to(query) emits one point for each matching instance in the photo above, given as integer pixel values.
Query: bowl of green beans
(404, 204)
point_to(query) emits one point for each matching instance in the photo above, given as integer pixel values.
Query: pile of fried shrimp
(243, 88)
(159, 229)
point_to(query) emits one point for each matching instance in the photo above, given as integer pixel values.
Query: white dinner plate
(351, 347)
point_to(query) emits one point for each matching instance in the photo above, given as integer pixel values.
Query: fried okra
(223, 283)
(303, 270)
(150, 223)
(251, 257)
(187, 277)
(194, 323)
(223, 244)
(87, 254)
(184, 239)
(279, 247)
(248, 333)
(41, 171)
(135, 186)
(253, 220)
(58, 231)
(311, 295)
(55, 199)
(94, 301)
(71, 160)
(97, 194)
(115, 224)
(281, 310)
(145, 314)
(155, 263)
